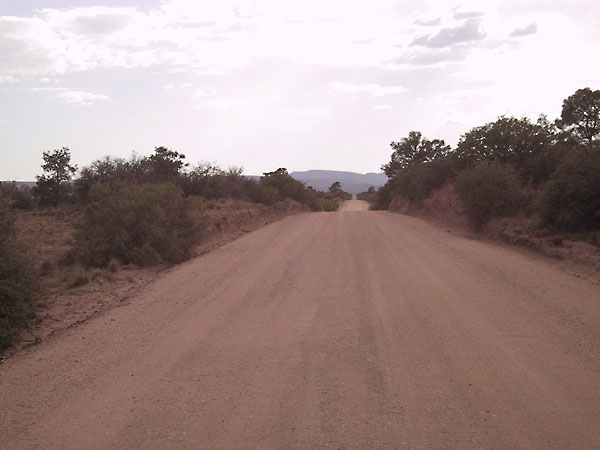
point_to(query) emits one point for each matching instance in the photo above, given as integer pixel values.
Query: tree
(581, 114)
(54, 184)
(336, 188)
(508, 140)
(412, 150)
(166, 164)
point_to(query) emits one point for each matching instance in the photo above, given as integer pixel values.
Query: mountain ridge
(352, 182)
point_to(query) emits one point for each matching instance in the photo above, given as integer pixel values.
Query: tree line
(542, 169)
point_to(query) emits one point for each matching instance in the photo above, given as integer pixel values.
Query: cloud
(468, 32)
(428, 22)
(382, 107)
(532, 28)
(223, 103)
(433, 56)
(362, 41)
(45, 89)
(170, 86)
(468, 15)
(8, 79)
(374, 90)
(82, 98)
(101, 23)
(308, 112)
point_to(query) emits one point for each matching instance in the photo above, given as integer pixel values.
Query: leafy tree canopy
(166, 164)
(54, 184)
(581, 114)
(508, 140)
(412, 150)
(336, 188)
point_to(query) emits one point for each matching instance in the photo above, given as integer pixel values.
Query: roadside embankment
(444, 208)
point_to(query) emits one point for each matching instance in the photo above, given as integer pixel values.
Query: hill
(351, 181)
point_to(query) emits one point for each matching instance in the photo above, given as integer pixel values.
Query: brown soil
(346, 330)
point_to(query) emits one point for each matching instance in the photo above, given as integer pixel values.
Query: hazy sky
(310, 84)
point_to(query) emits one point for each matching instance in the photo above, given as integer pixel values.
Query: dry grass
(48, 235)
(74, 293)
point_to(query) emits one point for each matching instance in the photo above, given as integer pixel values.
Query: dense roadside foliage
(145, 211)
(549, 172)
(142, 224)
(18, 285)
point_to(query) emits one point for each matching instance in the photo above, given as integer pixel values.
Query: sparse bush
(143, 224)
(18, 284)
(489, 190)
(571, 201)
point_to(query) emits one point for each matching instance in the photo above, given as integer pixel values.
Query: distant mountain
(351, 181)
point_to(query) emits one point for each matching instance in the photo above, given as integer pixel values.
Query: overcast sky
(310, 84)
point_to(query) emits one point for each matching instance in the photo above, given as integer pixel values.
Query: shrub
(143, 224)
(489, 190)
(571, 201)
(18, 197)
(327, 205)
(259, 193)
(18, 283)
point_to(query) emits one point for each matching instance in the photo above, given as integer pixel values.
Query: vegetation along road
(353, 330)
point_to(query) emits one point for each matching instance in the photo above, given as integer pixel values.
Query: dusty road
(348, 330)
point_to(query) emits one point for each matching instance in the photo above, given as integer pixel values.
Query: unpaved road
(349, 330)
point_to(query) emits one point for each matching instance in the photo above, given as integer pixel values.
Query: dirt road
(348, 330)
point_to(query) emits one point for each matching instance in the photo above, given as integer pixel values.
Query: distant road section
(353, 330)
(354, 205)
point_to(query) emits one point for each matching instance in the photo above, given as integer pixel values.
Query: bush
(489, 190)
(571, 201)
(18, 284)
(143, 224)
(18, 197)
(259, 193)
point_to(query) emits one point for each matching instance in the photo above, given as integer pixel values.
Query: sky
(265, 84)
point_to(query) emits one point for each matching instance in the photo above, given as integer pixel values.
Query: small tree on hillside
(54, 184)
(336, 188)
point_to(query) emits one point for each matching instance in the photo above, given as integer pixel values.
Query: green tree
(507, 141)
(571, 199)
(412, 150)
(165, 164)
(336, 188)
(54, 184)
(581, 115)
